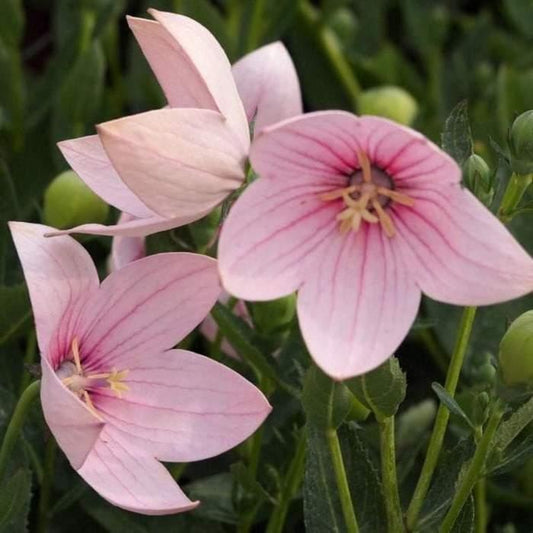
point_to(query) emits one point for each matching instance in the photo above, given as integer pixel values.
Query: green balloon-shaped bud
(521, 143)
(516, 352)
(389, 102)
(477, 177)
(69, 202)
(275, 315)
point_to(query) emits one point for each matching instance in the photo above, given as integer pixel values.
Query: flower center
(369, 192)
(80, 383)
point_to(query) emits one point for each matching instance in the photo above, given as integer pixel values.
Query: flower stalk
(15, 425)
(342, 481)
(389, 477)
(441, 420)
(475, 470)
(291, 483)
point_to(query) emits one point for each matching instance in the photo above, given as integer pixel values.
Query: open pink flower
(117, 398)
(361, 215)
(171, 166)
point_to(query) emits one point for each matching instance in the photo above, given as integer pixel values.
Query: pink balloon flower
(172, 166)
(117, 398)
(361, 216)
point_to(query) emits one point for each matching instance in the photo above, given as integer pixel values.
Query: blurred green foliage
(69, 64)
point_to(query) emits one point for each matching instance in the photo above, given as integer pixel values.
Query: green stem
(389, 477)
(46, 486)
(474, 471)
(15, 424)
(342, 481)
(332, 50)
(256, 25)
(291, 483)
(441, 420)
(480, 497)
(517, 186)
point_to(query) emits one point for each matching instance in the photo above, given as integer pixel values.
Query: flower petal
(324, 145)
(183, 407)
(75, 428)
(458, 251)
(315, 146)
(87, 157)
(358, 304)
(190, 66)
(60, 275)
(146, 307)
(178, 161)
(405, 154)
(268, 85)
(125, 250)
(135, 227)
(131, 478)
(270, 231)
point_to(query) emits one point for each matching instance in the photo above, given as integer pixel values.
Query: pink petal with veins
(135, 227)
(131, 478)
(180, 162)
(458, 252)
(146, 307)
(183, 407)
(125, 250)
(88, 159)
(191, 67)
(269, 234)
(268, 85)
(357, 303)
(75, 428)
(60, 276)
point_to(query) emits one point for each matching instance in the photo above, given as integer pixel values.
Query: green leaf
(510, 428)
(515, 455)
(450, 403)
(12, 92)
(11, 23)
(457, 136)
(241, 336)
(520, 12)
(382, 390)
(467, 517)
(215, 493)
(15, 495)
(449, 470)
(15, 311)
(80, 96)
(326, 402)
(322, 508)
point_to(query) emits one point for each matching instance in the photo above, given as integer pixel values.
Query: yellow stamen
(398, 197)
(115, 381)
(384, 219)
(90, 404)
(76, 354)
(338, 193)
(362, 200)
(365, 167)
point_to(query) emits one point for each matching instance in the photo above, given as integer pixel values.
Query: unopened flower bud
(389, 102)
(274, 315)
(516, 352)
(69, 202)
(477, 178)
(521, 143)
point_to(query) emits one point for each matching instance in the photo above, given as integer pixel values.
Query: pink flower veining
(360, 216)
(116, 396)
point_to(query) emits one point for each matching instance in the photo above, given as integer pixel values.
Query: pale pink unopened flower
(360, 216)
(117, 398)
(171, 166)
